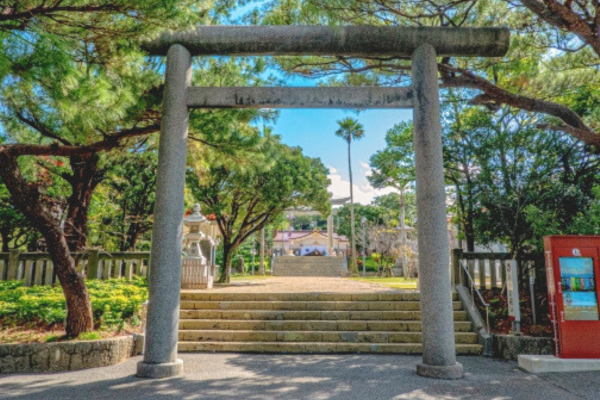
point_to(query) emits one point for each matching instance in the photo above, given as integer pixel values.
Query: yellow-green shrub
(114, 302)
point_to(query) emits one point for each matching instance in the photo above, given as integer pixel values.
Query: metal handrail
(474, 289)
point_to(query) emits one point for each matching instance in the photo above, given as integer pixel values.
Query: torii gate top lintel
(389, 41)
(355, 41)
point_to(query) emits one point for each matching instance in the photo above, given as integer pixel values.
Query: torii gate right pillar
(439, 348)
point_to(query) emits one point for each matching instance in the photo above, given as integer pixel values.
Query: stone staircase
(310, 323)
(309, 266)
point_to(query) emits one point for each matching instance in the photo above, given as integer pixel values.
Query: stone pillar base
(158, 371)
(449, 372)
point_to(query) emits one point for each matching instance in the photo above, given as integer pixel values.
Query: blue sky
(314, 132)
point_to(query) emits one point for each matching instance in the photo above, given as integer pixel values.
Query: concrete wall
(508, 347)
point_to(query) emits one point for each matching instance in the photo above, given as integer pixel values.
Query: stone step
(309, 270)
(300, 259)
(313, 336)
(308, 325)
(309, 315)
(307, 305)
(330, 347)
(205, 296)
(309, 261)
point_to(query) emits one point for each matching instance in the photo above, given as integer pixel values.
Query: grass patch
(89, 336)
(393, 282)
(51, 338)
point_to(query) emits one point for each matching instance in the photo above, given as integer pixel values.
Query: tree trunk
(466, 220)
(83, 182)
(225, 276)
(261, 267)
(4, 237)
(27, 199)
(353, 262)
(403, 240)
(134, 232)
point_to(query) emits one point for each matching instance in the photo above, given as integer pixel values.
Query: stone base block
(449, 372)
(158, 371)
(546, 363)
(138, 344)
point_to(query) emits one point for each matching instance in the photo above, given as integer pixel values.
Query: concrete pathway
(326, 377)
(301, 284)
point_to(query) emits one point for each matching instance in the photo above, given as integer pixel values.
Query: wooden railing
(486, 269)
(38, 269)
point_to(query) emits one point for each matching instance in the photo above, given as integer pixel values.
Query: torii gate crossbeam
(422, 45)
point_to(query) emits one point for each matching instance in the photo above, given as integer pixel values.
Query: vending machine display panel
(580, 302)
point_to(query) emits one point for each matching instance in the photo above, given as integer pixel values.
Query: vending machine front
(573, 273)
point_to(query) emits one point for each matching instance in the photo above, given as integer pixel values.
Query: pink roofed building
(308, 243)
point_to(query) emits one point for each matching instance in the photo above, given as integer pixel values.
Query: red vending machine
(573, 273)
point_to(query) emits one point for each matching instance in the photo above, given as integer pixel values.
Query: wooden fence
(486, 269)
(38, 269)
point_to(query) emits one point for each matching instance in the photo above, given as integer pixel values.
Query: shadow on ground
(335, 377)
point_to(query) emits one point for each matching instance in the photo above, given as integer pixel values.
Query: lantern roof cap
(195, 217)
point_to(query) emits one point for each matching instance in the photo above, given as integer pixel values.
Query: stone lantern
(196, 272)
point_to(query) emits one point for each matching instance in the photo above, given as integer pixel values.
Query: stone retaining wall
(64, 356)
(309, 266)
(508, 347)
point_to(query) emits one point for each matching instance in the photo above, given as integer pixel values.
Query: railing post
(482, 274)
(493, 274)
(13, 265)
(455, 257)
(39, 272)
(28, 266)
(93, 258)
(49, 273)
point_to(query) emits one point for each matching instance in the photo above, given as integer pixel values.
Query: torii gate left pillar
(422, 44)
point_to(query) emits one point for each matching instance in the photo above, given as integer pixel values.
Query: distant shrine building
(308, 243)
(311, 242)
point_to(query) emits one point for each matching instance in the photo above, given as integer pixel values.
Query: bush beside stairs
(310, 323)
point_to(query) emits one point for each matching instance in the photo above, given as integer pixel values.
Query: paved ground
(301, 284)
(326, 377)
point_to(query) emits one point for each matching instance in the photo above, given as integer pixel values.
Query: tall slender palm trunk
(403, 240)
(353, 263)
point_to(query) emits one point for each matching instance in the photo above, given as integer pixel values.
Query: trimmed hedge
(114, 302)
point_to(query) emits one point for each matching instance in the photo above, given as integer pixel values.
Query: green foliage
(374, 215)
(15, 230)
(249, 194)
(394, 165)
(372, 263)
(122, 206)
(114, 302)
(507, 171)
(390, 209)
(350, 129)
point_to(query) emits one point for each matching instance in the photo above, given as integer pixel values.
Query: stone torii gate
(421, 44)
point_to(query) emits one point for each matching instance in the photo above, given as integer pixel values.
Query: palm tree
(350, 129)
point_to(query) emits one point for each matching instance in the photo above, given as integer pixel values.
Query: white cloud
(362, 194)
